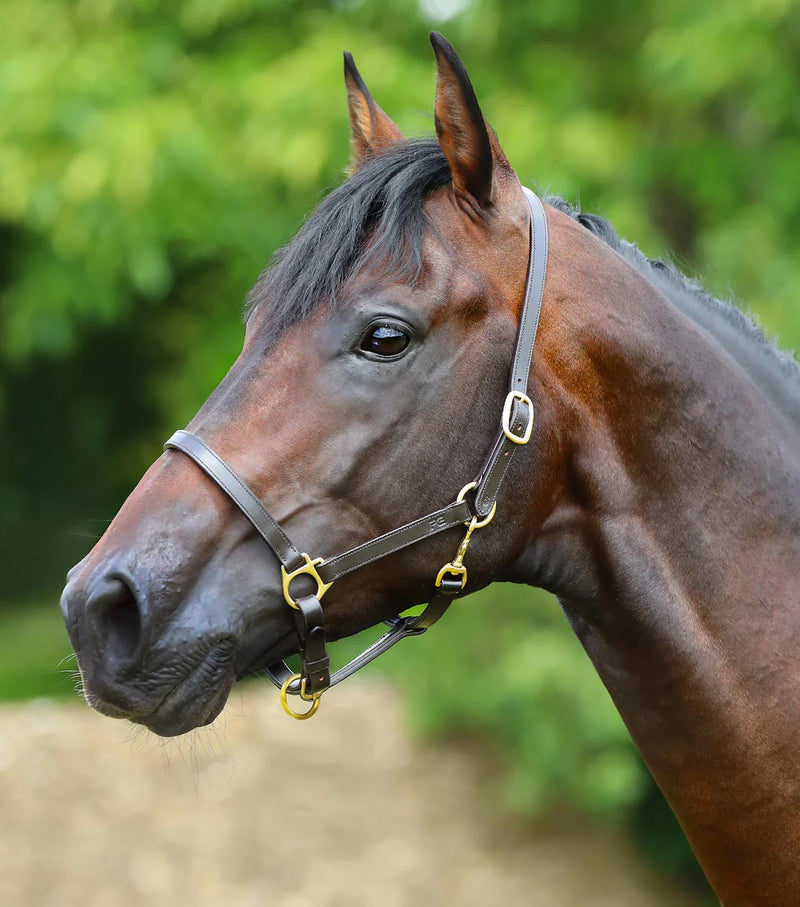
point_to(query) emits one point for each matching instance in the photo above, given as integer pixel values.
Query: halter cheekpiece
(474, 507)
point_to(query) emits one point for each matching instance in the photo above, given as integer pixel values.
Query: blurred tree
(153, 154)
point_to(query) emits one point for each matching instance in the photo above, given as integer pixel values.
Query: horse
(643, 465)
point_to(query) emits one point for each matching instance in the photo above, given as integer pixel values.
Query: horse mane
(685, 292)
(376, 216)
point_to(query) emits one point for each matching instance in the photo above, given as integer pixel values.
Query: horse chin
(190, 705)
(195, 700)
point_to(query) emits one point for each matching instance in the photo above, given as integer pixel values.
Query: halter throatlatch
(474, 512)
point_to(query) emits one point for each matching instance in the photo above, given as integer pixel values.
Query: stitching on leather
(443, 512)
(381, 645)
(421, 521)
(364, 657)
(491, 483)
(525, 307)
(491, 486)
(393, 549)
(538, 264)
(535, 265)
(239, 485)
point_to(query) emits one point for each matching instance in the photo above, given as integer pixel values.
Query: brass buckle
(506, 420)
(313, 699)
(309, 567)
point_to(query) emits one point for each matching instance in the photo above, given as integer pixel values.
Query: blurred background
(152, 156)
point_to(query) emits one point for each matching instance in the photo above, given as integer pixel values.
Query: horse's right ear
(373, 131)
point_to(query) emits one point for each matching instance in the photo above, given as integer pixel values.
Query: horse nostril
(118, 619)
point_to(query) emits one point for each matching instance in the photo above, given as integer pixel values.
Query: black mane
(682, 290)
(376, 215)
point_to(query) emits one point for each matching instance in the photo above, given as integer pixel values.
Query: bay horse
(656, 492)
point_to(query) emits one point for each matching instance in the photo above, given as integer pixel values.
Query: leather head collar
(473, 507)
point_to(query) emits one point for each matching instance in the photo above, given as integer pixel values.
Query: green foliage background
(153, 154)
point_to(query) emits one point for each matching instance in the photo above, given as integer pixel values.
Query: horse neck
(674, 548)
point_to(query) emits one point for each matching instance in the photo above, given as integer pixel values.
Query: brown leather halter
(474, 507)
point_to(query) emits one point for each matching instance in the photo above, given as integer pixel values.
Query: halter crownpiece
(516, 425)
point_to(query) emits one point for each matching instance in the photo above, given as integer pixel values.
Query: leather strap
(313, 653)
(399, 628)
(454, 514)
(308, 612)
(521, 412)
(534, 293)
(240, 493)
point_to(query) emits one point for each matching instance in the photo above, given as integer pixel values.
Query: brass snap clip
(456, 566)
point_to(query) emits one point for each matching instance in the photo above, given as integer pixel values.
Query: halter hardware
(525, 434)
(314, 699)
(315, 677)
(456, 568)
(480, 523)
(308, 568)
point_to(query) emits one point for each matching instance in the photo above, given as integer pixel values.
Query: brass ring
(480, 523)
(299, 716)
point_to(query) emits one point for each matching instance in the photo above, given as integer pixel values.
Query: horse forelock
(376, 215)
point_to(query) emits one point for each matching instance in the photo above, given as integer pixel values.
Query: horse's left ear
(470, 146)
(373, 131)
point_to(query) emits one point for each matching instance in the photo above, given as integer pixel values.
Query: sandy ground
(262, 811)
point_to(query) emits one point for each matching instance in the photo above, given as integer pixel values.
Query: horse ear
(373, 131)
(470, 146)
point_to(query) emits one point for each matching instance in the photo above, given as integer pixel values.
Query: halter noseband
(516, 424)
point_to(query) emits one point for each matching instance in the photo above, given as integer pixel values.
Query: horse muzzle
(144, 655)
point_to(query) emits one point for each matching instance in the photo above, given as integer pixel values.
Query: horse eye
(385, 340)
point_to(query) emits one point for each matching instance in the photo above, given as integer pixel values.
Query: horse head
(368, 392)
(370, 416)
